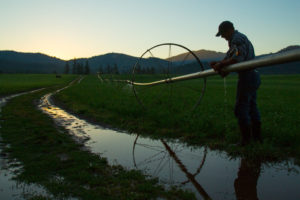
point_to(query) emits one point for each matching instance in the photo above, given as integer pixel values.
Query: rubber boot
(245, 134)
(256, 131)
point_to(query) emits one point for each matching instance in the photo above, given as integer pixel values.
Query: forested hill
(16, 62)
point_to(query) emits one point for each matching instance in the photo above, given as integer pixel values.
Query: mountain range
(201, 54)
(17, 62)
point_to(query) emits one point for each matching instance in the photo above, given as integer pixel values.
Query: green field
(167, 111)
(14, 83)
(48, 156)
(38, 144)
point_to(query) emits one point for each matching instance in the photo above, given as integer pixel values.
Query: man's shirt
(241, 49)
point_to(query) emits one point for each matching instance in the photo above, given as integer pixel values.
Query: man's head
(226, 30)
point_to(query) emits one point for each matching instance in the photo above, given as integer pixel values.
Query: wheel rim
(169, 66)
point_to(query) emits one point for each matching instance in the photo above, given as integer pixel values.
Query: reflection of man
(246, 111)
(246, 182)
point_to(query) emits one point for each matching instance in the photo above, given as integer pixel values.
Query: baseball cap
(223, 27)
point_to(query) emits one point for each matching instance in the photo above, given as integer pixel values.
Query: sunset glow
(75, 28)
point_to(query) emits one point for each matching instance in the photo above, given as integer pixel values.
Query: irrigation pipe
(279, 58)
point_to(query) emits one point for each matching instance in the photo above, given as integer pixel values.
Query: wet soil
(10, 188)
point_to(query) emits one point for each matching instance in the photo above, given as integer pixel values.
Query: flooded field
(210, 174)
(9, 188)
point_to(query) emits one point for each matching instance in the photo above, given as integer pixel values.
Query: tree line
(108, 69)
(77, 67)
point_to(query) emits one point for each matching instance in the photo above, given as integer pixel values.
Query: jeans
(246, 109)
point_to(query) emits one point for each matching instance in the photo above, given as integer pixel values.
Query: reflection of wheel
(157, 158)
(165, 61)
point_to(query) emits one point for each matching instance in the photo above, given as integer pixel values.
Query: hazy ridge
(18, 62)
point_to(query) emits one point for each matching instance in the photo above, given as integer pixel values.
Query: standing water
(9, 188)
(209, 174)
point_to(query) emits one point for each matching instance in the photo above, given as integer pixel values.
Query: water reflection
(245, 184)
(190, 176)
(210, 174)
(11, 188)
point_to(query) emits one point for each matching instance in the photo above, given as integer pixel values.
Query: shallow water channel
(209, 174)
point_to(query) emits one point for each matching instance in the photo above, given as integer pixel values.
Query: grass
(168, 112)
(49, 157)
(15, 83)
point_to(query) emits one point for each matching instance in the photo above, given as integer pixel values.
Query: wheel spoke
(160, 167)
(151, 159)
(168, 94)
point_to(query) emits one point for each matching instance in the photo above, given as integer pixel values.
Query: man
(246, 111)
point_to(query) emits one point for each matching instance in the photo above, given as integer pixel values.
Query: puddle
(209, 174)
(9, 188)
(12, 189)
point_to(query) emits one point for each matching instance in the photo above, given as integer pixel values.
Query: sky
(70, 29)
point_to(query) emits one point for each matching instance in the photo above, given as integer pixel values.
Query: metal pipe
(279, 58)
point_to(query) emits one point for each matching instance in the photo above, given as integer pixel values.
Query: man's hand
(217, 66)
